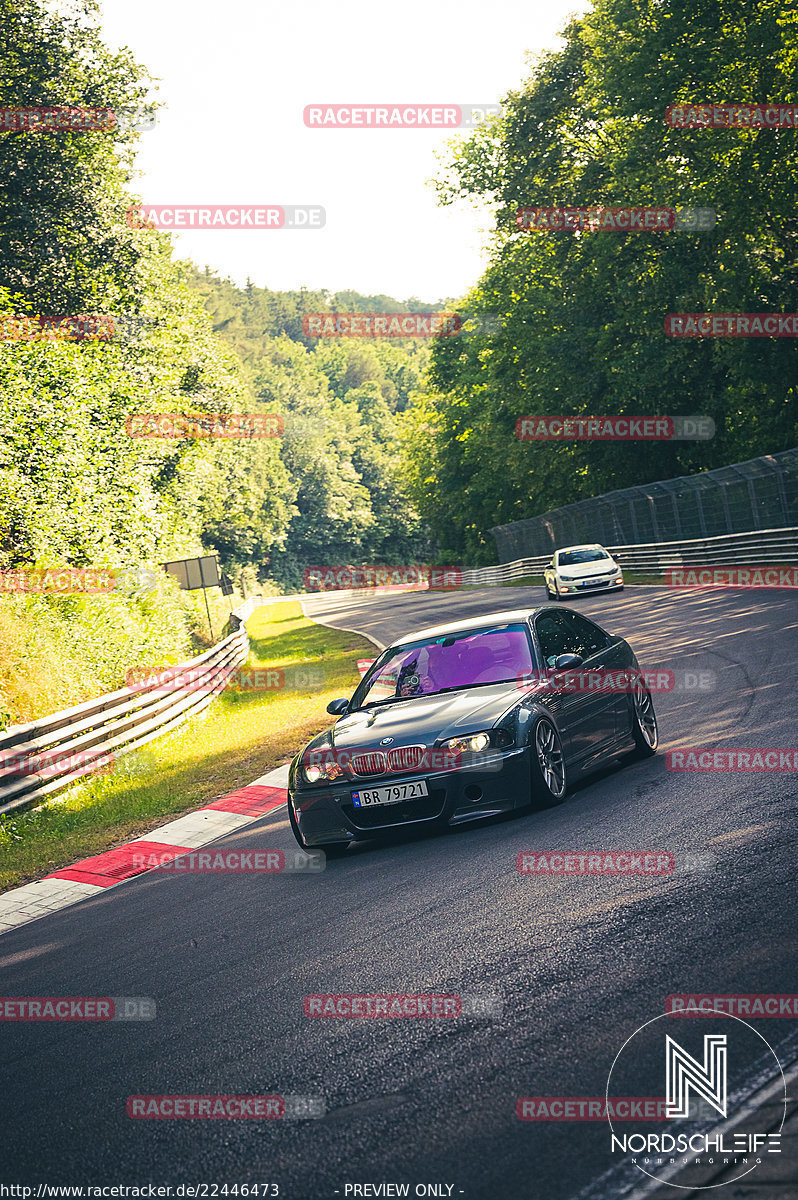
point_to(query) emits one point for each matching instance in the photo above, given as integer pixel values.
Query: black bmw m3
(465, 721)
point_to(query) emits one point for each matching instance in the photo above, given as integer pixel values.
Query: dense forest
(74, 486)
(341, 400)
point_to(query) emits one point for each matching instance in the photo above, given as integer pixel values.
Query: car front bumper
(602, 585)
(500, 784)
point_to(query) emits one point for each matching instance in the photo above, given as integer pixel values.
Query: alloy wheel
(550, 758)
(645, 715)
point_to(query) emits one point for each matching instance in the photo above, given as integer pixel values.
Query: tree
(583, 313)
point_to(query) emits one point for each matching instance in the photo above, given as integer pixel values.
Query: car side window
(552, 636)
(584, 637)
(566, 632)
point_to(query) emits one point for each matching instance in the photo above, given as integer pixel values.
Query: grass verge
(242, 735)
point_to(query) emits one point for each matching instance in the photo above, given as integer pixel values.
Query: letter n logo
(683, 1072)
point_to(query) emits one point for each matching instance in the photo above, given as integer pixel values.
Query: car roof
(583, 546)
(478, 622)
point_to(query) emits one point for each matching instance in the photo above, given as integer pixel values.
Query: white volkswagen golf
(582, 569)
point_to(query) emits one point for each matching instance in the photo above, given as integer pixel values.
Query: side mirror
(338, 708)
(564, 662)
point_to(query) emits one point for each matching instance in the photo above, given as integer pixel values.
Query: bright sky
(235, 77)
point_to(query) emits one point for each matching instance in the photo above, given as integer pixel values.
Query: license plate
(589, 582)
(394, 793)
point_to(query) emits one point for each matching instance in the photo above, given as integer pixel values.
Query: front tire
(644, 721)
(549, 777)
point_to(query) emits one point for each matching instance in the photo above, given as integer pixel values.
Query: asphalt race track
(579, 962)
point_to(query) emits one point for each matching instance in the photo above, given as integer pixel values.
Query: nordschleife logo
(711, 1099)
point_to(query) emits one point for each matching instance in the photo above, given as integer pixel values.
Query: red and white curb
(92, 875)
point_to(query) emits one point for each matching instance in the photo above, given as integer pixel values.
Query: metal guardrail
(44, 756)
(766, 546)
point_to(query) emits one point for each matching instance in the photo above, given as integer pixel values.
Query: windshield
(569, 558)
(443, 664)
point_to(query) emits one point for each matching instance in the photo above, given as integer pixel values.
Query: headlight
(474, 742)
(327, 770)
(468, 745)
(567, 578)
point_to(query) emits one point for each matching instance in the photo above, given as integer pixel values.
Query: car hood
(583, 570)
(423, 720)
